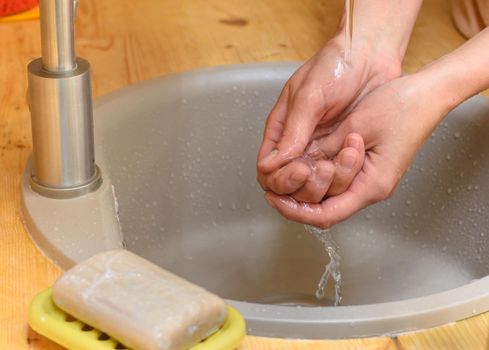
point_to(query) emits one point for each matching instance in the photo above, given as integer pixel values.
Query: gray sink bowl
(180, 152)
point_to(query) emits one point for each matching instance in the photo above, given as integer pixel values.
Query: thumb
(327, 147)
(298, 128)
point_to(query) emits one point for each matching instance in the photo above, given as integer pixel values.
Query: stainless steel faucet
(60, 102)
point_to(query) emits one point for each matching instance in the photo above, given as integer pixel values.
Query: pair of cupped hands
(340, 136)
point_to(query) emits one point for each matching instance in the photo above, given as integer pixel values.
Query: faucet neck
(57, 35)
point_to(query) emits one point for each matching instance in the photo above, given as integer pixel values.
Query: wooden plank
(127, 42)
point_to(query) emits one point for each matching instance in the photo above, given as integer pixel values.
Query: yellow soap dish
(50, 321)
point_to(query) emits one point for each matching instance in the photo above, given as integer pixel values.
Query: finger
(307, 213)
(303, 114)
(326, 214)
(341, 207)
(274, 124)
(317, 184)
(348, 163)
(329, 146)
(289, 178)
(356, 141)
(338, 208)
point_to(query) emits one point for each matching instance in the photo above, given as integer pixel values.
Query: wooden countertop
(129, 41)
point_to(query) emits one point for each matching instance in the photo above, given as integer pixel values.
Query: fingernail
(353, 141)
(268, 157)
(348, 161)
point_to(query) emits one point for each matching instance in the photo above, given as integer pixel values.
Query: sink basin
(180, 152)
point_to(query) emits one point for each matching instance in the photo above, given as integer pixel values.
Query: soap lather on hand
(138, 303)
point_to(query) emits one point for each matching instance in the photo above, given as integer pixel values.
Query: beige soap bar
(138, 303)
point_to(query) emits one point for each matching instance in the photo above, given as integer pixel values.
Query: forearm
(381, 27)
(459, 75)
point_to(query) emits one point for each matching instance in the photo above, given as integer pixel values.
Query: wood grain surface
(130, 41)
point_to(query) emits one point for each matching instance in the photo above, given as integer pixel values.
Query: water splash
(340, 69)
(332, 268)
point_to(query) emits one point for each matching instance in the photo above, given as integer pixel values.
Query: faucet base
(62, 128)
(55, 226)
(66, 193)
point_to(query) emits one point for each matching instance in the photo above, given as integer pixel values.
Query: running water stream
(349, 5)
(332, 268)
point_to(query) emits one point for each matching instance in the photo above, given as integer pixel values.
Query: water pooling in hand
(332, 268)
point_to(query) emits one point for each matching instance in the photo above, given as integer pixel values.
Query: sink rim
(430, 310)
(389, 318)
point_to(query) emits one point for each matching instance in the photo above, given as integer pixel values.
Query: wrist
(370, 44)
(426, 89)
(377, 62)
(460, 74)
(381, 32)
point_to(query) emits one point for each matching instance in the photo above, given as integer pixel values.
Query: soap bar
(138, 303)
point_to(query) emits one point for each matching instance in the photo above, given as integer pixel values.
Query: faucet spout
(60, 101)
